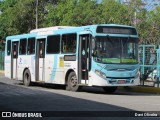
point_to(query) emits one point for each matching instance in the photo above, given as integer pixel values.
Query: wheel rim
(73, 81)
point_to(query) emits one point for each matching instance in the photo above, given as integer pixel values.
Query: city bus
(101, 55)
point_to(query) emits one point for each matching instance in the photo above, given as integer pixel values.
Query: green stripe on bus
(116, 60)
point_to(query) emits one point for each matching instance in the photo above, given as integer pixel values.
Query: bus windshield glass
(116, 50)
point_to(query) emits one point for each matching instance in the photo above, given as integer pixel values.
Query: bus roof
(73, 28)
(87, 28)
(63, 29)
(49, 29)
(21, 36)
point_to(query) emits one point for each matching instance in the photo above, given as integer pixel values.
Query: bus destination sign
(116, 30)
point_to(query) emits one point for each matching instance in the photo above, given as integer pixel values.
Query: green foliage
(114, 12)
(19, 16)
(84, 14)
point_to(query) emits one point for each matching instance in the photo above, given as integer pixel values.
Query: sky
(150, 4)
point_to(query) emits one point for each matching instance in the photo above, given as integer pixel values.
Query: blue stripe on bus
(54, 67)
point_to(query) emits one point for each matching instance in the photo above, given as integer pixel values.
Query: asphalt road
(93, 101)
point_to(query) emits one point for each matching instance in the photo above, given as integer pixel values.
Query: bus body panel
(96, 80)
(23, 62)
(26, 62)
(70, 65)
(8, 66)
(53, 68)
(56, 68)
(113, 75)
(54, 73)
(41, 69)
(49, 65)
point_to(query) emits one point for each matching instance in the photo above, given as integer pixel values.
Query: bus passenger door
(40, 60)
(14, 60)
(84, 61)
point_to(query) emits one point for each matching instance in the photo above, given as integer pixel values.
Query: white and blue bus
(104, 55)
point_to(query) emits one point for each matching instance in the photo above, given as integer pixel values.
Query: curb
(140, 89)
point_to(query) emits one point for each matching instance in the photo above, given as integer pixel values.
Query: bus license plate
(121, 82)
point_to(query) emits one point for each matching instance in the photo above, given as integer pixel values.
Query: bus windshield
(116, 50)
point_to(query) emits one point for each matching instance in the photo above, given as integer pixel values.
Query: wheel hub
(73, 81)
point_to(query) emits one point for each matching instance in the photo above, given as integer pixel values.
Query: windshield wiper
(110, 40)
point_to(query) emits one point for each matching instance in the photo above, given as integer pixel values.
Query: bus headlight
(100, 73)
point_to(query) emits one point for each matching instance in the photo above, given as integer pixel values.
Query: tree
(19, 16)
(85, 13)
(6, 17)
(153, 30)
(72, 12)
(114, 12)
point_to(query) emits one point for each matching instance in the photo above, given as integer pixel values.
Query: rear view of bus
(115, 57)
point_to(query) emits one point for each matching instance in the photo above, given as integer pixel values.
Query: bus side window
(64, 48)
(8, 47)
(53, 44)
(41, 49)
(69, 43)
(31, 46)
(15, 51)
(22, 48)
(73, 46)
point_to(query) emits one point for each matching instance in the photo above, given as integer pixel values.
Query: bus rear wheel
(109, 90)
(72, 82)
(27, 78)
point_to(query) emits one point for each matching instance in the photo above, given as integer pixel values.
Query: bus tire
(27, 78)
(72, 82)
(110, 90)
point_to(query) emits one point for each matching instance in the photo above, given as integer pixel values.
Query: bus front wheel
(72, 82)
(109, 90)
(27, 78)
